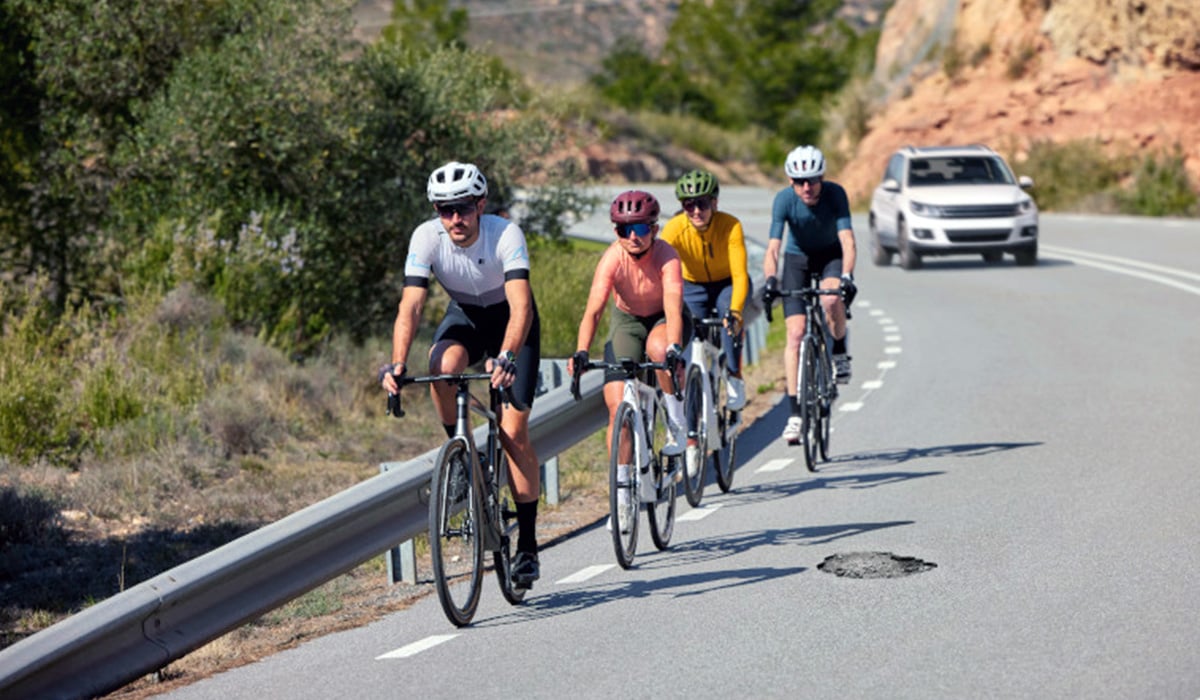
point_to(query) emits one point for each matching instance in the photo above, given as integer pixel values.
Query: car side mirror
(1025, 182)
(891, 185)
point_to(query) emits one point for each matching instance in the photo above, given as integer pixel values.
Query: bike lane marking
(774, 465)
(416, 647)
(584, 574)
(700, 512)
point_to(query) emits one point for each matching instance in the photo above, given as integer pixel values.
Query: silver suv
(952, 200)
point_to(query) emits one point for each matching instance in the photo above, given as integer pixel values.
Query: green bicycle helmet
(696, 183)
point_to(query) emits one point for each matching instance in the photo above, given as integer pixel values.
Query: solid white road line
(585, 574)
(416, 647)
(700, 512)
(774, 465)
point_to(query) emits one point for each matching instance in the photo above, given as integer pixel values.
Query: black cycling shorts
(480, 330)
(796, 269)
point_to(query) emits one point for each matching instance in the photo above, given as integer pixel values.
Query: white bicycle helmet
(456, 180)
(805, 161)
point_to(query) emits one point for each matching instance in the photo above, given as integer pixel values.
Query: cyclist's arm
(737, 268)
(520, 313)
(408, 317)
(672, 273)
(597, 300)
(849, 252)
(771, 261)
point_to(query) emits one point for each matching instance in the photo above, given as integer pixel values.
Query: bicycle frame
(709, 357)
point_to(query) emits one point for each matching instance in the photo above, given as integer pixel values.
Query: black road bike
(470, 511)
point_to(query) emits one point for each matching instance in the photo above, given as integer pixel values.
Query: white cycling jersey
(473, 275)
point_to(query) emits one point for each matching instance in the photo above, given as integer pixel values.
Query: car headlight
(931, 210)
(1025, 205)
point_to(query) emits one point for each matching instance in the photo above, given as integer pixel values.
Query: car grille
(980, 211)
(978, 235)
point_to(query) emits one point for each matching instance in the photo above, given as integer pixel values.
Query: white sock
(674, 409)
(623, 476)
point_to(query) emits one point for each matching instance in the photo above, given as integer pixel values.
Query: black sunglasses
(701, 203)
(810, 181)
(463, 209)
(640, 230)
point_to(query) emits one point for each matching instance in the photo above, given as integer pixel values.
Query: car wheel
(879, 255)
(992, 257)
(909, 258)
(1026, 256)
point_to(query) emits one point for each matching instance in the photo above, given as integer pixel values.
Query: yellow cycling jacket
(717, 254)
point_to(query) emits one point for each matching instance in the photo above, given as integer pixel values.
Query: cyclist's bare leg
(656, 350)
(791, 352)
(614, 392)
(524, 472)
(835, 310)
(446, 357)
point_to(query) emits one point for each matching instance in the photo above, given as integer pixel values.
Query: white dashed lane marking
(416, 647)
(700, 512)
(585, 574)
(774, 465)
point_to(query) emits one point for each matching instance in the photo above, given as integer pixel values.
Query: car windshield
(958, 170)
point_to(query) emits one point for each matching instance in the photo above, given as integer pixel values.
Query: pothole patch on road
(873, 565)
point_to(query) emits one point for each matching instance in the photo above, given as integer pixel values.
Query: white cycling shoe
(735, 394)
(793, 429)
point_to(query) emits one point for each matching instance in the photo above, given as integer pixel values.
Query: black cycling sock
(795, 406)
(449, 429)
(839, 346)
(527, 522)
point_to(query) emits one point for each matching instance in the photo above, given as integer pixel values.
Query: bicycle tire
(826, 383)
(697, 423)
(661, 513)
(623, 437)
(807, 395)
(506, 511)
(724, 459)
(455, 519)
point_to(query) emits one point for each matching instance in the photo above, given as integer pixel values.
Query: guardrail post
(552, 374)
(402, 559)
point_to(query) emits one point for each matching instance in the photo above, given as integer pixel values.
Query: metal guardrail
(148, 626)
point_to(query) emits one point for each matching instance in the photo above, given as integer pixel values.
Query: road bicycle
(640, 424)
(816, 384)
(711, 423)
(470, 511)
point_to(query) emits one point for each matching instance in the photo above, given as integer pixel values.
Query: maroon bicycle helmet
(634, 207)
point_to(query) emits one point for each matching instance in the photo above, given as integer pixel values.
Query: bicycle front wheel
(826, 382)
(661, 513)
(623, 486)
(694, 455)
(809, 404)
(455, 522)
(502, 558)
(724, 459)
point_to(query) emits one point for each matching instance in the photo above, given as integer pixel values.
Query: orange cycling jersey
(713, 255)
(637, 283)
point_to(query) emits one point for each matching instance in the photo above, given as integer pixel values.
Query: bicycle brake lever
(393, 406)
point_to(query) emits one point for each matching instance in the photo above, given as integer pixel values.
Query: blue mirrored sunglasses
(640, 230)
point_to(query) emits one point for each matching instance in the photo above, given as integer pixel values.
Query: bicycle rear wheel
(455, 544)
(623, 493)
(809, 405)
(506, 513)
(697, 423)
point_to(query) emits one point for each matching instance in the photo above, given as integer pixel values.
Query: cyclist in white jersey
(482, 262)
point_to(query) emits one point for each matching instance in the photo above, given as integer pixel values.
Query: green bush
(1161, 187)
(1066, 174)
(561, 278)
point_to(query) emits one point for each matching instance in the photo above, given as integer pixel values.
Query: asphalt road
(1032, 432)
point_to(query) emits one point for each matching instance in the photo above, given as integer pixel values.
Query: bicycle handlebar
(628, 366)
(803, 293)
(395, 408)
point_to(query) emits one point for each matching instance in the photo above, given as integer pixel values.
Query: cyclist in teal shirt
(816, 213)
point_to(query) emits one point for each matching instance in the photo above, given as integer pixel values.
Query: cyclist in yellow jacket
(712, 249)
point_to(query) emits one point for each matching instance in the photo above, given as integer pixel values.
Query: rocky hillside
(1007, 73)
(1124, 72)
